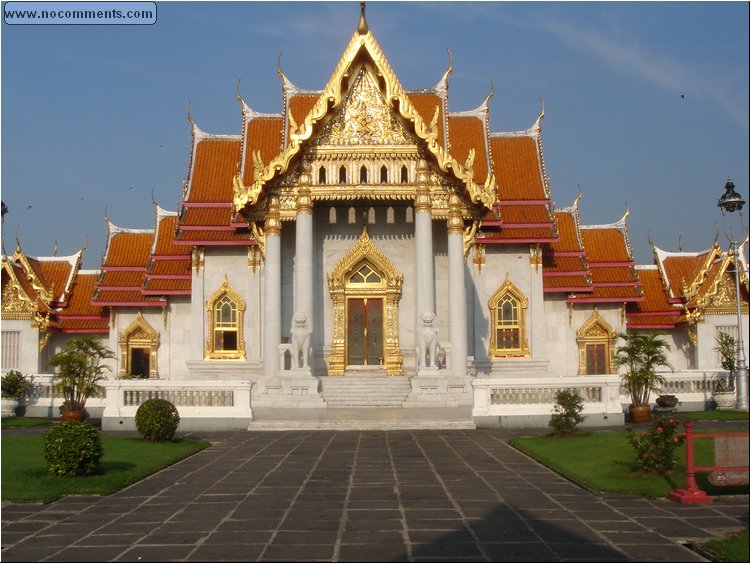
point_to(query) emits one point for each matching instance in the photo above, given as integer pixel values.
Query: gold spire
(362, 28)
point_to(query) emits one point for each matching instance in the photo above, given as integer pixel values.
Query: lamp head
(731, 201)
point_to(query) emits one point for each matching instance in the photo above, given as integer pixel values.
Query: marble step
(365, 391)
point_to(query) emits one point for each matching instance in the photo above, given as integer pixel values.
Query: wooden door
(364, 334)
(596, 359)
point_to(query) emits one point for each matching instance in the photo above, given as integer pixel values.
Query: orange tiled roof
(215, 162)
(654, 311)
(80, 314)
(610, 263)
(169, 267)
(682, 269)
(264, 134)
(299, 106)
(468, 132)
(605, 245)
(425, 103)
(517, 168)
(128, 248)
(166, 287)
(57, 274)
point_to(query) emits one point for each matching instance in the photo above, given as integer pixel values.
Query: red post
(691, 494)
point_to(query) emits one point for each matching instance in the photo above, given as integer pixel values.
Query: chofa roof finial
(362, 28)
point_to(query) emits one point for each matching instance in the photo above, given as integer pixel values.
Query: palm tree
(640, 355)
(79, 370)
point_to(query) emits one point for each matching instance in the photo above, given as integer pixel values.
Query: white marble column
(456, 288)
(272, 291)
(425, 259)
(303, 280)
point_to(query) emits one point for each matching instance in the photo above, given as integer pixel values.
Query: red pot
(71, 415)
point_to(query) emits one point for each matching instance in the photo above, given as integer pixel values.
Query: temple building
(367, 245)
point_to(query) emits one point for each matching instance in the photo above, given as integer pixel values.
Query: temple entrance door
(364, 334)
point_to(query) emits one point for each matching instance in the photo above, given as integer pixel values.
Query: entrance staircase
(363, 399)
(365, 389)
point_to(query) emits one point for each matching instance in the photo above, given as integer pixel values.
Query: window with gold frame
(226, 311)
(508, 322)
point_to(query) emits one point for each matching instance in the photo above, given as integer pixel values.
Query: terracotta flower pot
(640, 413)
(71, 415)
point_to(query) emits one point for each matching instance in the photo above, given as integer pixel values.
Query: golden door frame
(139, 334)
(596, 330)
(388, 289)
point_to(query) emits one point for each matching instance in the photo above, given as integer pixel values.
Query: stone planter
(667, 401)
(9, 407)
(725, 400)
(640, 413)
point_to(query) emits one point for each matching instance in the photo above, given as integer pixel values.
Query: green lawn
(712, 415)
(125, 461)
(732, 548)
(605, 461)
(23, 422)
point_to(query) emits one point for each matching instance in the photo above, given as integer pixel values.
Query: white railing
(603, 394)
(193, 398)
(120, 398)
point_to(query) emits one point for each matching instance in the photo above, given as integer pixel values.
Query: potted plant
(724, 391)
(79, 371)
(15, 387)
(640, 355)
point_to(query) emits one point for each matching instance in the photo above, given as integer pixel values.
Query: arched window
(409, 218)
(404, 175)
(363, 175)
(390, 216)
(322, 175)
(342, 175)
(352, 216)
(508, 322)
(226, 310)
(332, 215)
(383, 175)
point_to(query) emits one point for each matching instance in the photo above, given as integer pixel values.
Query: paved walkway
(402, 495)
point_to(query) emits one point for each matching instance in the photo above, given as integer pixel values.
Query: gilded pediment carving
(16, 305)
(364, 118)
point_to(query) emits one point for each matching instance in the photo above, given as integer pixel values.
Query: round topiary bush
(157, 420)
(72, 449)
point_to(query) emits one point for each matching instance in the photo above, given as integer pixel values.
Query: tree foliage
(640, 355)
(80, 368)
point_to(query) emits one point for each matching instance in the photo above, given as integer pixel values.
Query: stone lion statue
(300, 339)
(427, 340)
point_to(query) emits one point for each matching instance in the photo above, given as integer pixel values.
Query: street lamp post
(730, 202)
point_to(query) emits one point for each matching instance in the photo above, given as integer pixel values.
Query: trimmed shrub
(72, 449)
(157, 420)
(566, 414)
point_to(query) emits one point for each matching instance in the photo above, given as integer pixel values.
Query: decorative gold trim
(273, 220)
(225, 289)
(253, 258)
(479, 260)
(522, 302)
(365, 251)
(139, 334)
(470, 235)
(535, 256)
(596, 330)
(199, 259)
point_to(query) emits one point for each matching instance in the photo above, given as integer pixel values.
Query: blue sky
(646, 103)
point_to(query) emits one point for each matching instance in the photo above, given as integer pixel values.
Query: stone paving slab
(419, 495)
